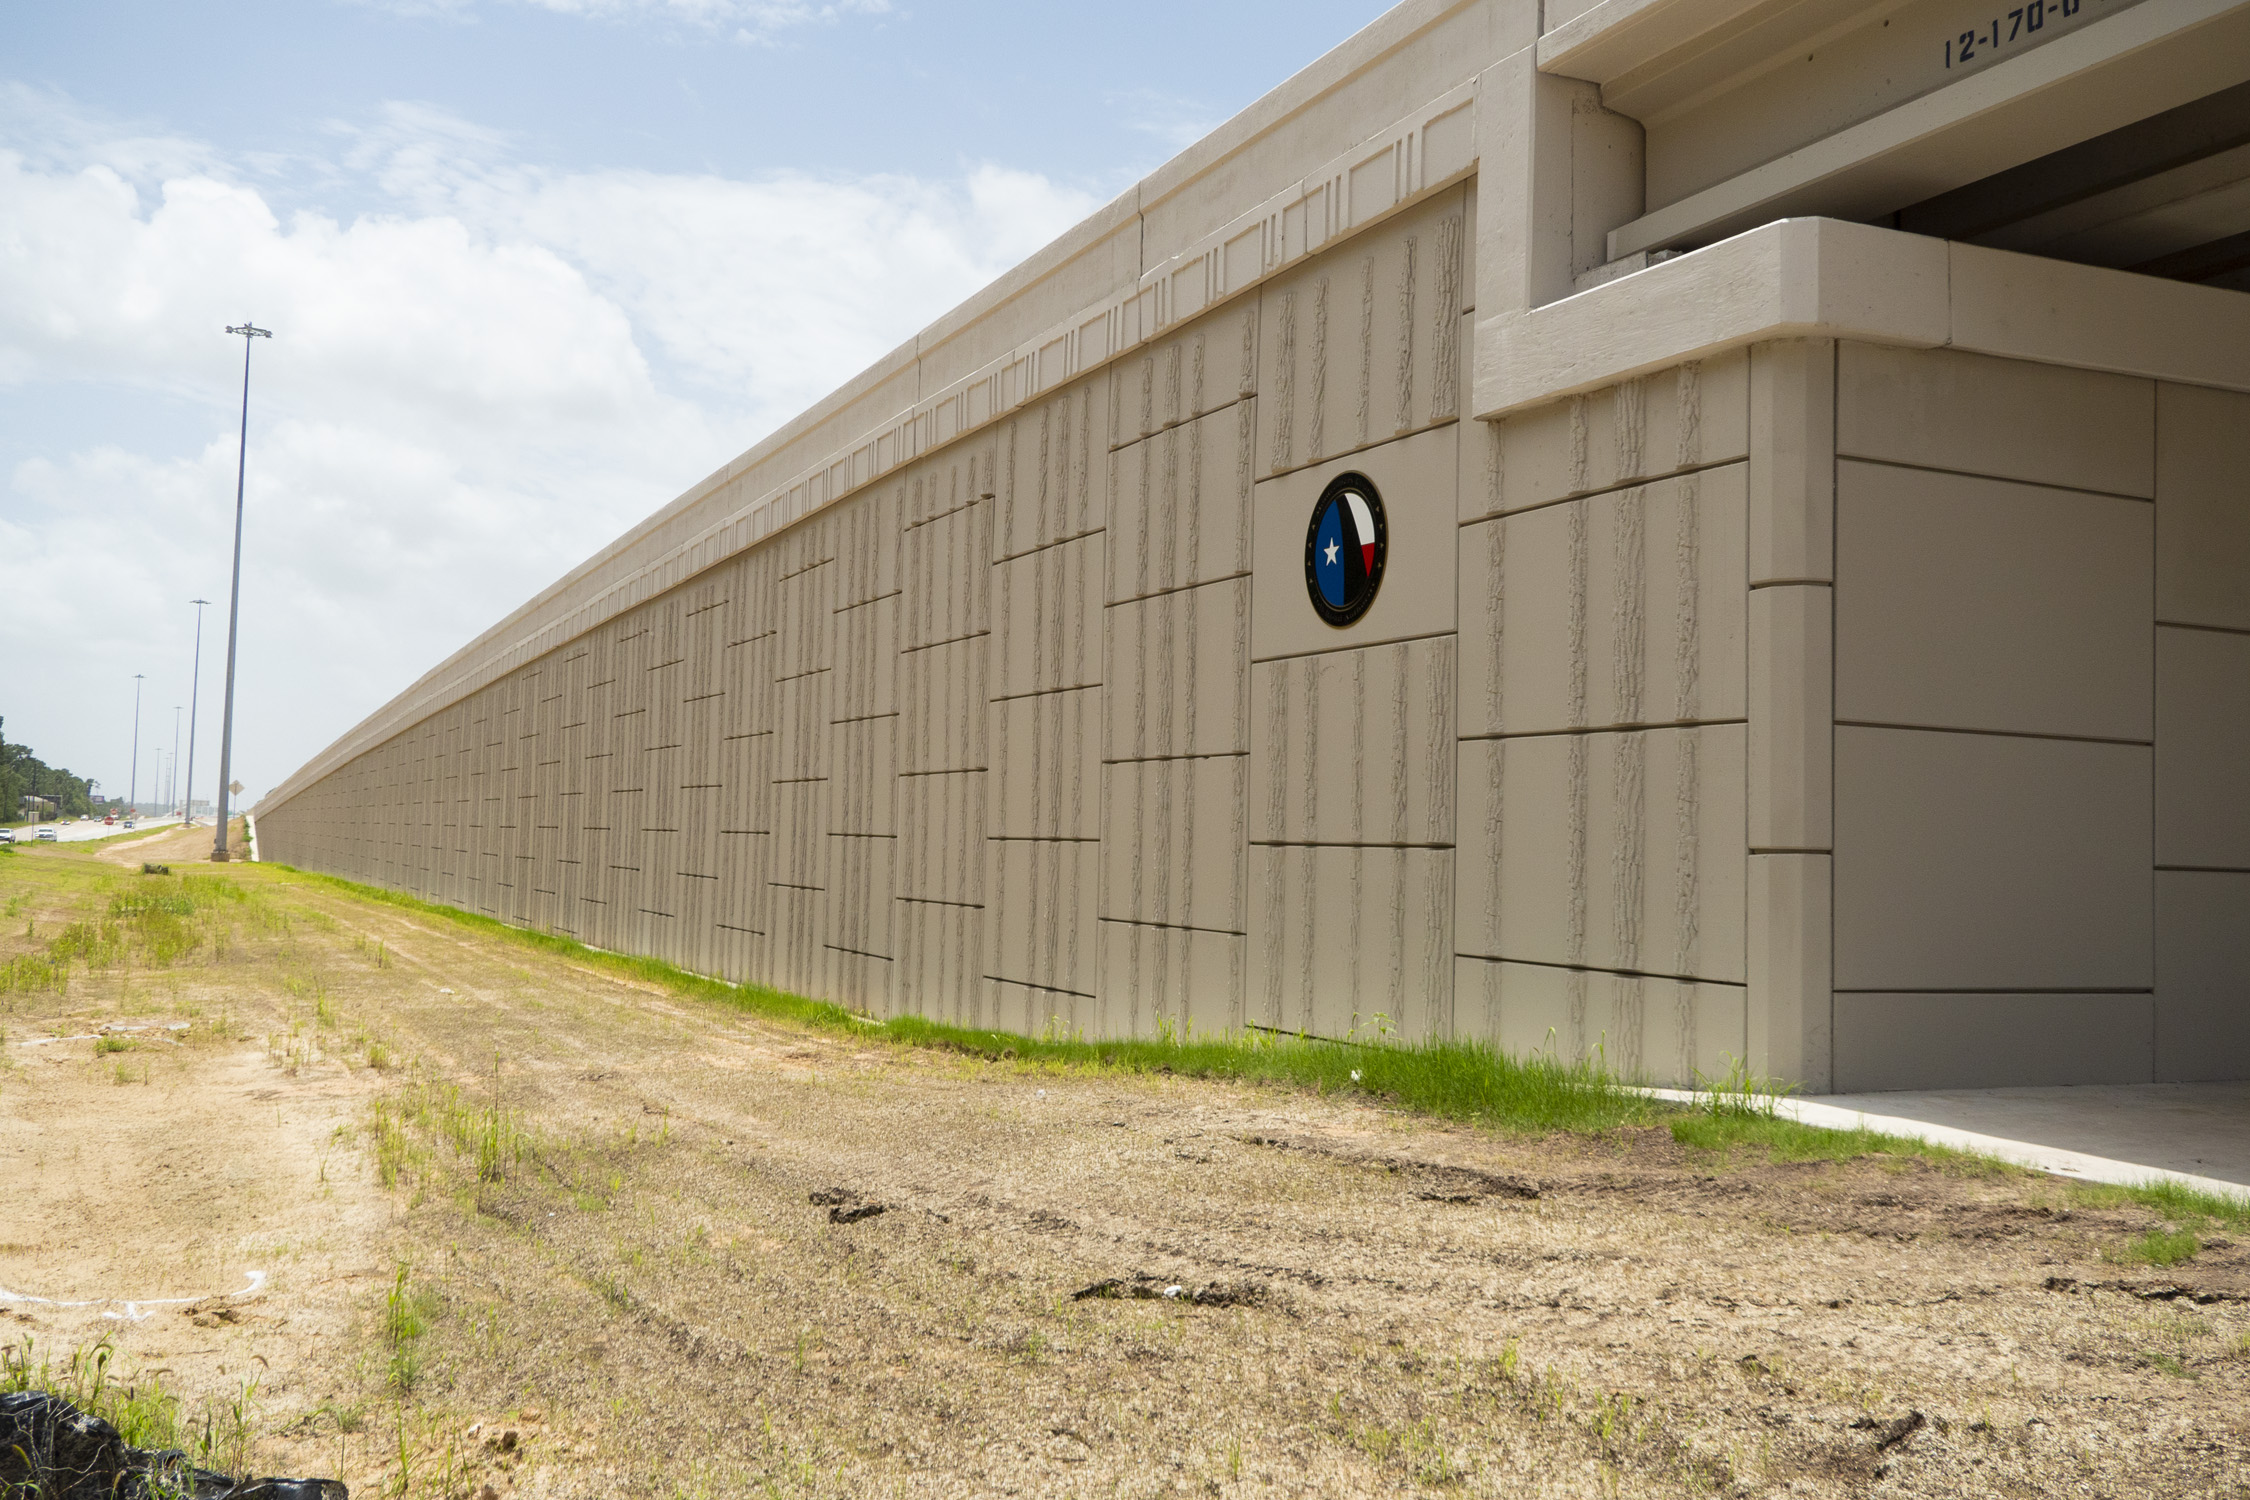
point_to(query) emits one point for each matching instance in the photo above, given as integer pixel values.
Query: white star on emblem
(1332, 552)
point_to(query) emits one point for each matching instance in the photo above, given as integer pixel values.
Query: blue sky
(535, 266)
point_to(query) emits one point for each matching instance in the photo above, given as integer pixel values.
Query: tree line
(23, 774)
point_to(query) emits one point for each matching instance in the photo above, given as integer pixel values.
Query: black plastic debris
(50, 1450)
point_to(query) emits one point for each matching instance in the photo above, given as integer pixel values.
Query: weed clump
(486, 1134)
(408, 1312)
(2161, 1247)
(217, 1435)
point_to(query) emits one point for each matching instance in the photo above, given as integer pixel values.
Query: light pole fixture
(195, 682)
(133, 785)
(248, 332)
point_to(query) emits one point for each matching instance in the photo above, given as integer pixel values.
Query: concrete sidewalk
(2194, 1130)
(2197, 1134)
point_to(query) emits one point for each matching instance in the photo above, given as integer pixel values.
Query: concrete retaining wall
(1829, 650)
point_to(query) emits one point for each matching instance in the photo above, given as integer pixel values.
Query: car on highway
(47, 834)
(7, 835)
(128, 822)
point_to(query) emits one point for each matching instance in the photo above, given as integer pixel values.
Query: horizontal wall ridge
(1844, 455)
(1563, 968)
(2005, 734)
(1642, 726)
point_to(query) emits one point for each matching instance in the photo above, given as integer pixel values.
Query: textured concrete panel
(1046, 765)
(800, 825)
(2010, 419)
(940, 970)
(865, 773)
(745, 870)
(868, 532)
(1175, 837)
(806, 605)
(942, 701)
(1043, 895)
(1936, 1041)
(1152, 976)
(1053, 470)
(1416, 479)
(946, 591)
(1966, 603)
(1207, 367)
(797, 958)
(1179, 673)
(863, 982)
(1670, 1031)
(1684, 418)
(941, 837)
(867, 659)
(2202, 748)
(1978, 861)
(745, 803)
(859, 885)
(1614, 851)
(748, 584)
(1031, 1010)
(1363, 345)
(2202, 975)
(1623, 608)
(1180, 511)
(2202, 523)
(1340, 936)
(803, 724)
(1047, 619)
(747, 676)
(1354, 747)
(948, 481)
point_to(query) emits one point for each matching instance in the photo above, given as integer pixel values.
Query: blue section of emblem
(1329, 543)
(1346, 537)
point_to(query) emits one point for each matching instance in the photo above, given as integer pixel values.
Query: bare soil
(722, 1255)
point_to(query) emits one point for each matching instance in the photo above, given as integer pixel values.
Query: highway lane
(87, 828)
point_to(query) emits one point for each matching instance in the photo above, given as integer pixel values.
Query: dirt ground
(722, 1256)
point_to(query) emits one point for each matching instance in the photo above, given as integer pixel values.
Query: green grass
(143, 1413)
(156, 922)
(1457, 1080)
(2162, 1247)
(2176, 1201)
(1722, 1132)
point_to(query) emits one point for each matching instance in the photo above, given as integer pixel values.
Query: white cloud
(478, 378)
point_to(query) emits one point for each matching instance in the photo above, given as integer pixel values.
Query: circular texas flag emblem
(1344, 549)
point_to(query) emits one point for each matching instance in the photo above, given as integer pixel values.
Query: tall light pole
(133, 787)
(172, 791)
(194, 684)
(248, 332)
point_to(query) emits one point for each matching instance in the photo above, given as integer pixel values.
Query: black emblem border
(1351, 612)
